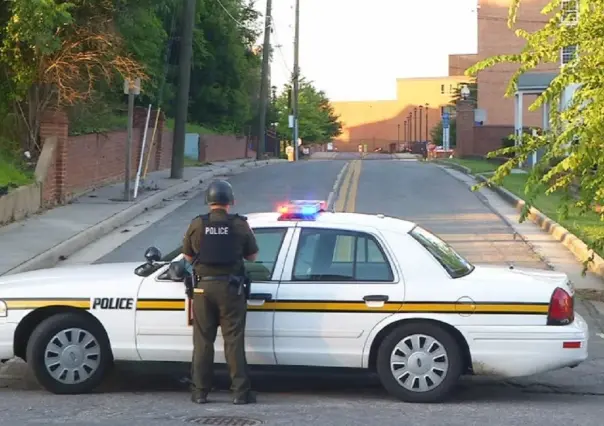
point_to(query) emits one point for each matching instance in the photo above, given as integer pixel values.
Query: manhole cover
(224, 421)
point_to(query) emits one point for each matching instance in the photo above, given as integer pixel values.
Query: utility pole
(296, 78)
(182, 97)
(266, 52)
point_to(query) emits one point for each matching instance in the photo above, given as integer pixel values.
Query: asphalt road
(258, 190)
(149, 395)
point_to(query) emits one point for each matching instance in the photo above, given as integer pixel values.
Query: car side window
(269, 242)
(339, 255)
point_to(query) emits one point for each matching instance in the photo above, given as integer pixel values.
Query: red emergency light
(301, 209)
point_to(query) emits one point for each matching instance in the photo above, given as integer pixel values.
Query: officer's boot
(247, 398)
(199, 397)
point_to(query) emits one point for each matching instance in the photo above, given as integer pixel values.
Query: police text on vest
(217, 230)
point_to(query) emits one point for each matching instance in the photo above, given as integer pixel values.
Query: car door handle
(376, 298)
(261, 296)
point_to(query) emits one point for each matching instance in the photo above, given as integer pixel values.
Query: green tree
(54, 53)
(437, 133)
(574, 144)
(226, 71)
(317, 121)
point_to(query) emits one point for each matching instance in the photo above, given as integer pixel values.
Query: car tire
(421, 363)
(72, 344)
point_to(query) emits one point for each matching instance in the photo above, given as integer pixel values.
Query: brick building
(502, 115)
(494, 38)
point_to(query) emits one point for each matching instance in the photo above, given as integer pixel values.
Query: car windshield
(455, 264)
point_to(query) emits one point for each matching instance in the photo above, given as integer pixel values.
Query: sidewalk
(40, 241)
(543, 244)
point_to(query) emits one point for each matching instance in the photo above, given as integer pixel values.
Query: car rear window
(456, 265)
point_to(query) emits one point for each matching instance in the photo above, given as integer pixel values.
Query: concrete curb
(575, 245)
(51, 257)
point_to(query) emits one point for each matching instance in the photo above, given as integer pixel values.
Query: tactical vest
(219, 242)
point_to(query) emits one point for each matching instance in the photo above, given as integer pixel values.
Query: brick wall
(477, 140)
(458, 64)
(495, 38)
(85, 162)
(222, 147)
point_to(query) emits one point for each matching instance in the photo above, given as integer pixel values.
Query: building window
(567, 54)
(442, 89)
(570, 11)
(451, 89)
(442, 110)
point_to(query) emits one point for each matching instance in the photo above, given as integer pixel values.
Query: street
(417, 191)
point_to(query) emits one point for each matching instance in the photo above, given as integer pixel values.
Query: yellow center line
(341, 201)
(354, 187)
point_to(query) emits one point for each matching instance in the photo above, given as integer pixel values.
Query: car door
(337, 285)
(164, 313)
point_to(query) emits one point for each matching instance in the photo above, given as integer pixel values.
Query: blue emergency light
(302, 209)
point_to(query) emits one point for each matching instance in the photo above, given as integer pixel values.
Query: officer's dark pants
(219, 305)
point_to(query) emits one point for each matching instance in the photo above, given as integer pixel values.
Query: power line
(278, 46)
(229, 14)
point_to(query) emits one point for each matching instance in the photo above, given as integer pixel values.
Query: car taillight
(561, 308)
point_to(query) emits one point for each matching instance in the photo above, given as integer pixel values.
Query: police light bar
(302, 209)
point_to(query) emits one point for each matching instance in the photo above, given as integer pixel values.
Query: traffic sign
(445, 120)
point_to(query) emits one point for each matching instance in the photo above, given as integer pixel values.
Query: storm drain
(224, 421)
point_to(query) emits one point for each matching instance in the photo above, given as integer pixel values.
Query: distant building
(380, 123)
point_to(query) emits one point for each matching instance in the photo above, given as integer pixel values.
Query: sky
(355, 50)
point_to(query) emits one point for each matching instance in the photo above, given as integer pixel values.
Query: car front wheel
(69, 353)
(419, 362)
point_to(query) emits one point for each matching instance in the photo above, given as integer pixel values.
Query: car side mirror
(153, 255)
(177, 271)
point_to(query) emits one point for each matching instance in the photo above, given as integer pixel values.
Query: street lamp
(398, 134)
(427, 106)
(421, 113)
(409, 120)
(465, 92)
(415, 124)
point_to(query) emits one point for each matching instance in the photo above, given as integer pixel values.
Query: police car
(330, 290)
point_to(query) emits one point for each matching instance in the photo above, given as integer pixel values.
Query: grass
(11, 174)
(192, 162)
(111, 122)
(476, 166)
(588, 227)
(191, 128)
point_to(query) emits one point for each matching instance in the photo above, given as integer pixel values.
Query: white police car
(330, 289)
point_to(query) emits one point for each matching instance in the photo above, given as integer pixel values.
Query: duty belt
(214, 278)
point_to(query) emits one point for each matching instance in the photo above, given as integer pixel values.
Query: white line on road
(600, 335)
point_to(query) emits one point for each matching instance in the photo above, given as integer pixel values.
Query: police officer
(216, 244)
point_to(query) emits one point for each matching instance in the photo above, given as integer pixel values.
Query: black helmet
(220, 192)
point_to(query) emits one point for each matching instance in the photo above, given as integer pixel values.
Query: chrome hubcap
(72, 356)
(419, 363)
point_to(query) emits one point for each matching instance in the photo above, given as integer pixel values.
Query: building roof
(535, 81)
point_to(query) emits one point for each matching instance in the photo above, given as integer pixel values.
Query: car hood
(75, 281)
(519, 284)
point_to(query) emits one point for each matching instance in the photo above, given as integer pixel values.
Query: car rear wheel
(419, 362)
(69, 353)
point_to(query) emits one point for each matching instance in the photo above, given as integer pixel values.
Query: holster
(190, 283)
(237, 281)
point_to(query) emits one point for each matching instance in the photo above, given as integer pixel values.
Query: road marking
(341, 201)
(354, 187)
(600, 335)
